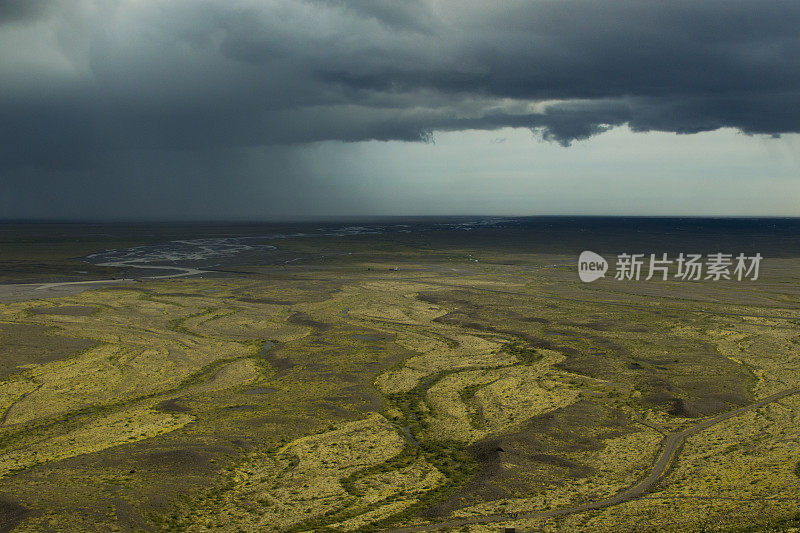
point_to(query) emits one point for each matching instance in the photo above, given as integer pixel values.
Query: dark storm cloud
(21, 10)
(84, 78)
(407, 15)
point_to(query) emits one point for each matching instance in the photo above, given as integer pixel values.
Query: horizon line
(365, 218)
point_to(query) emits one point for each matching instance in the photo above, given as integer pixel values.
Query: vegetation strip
(670, 449)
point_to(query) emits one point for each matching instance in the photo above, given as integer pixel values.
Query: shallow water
(191, 254)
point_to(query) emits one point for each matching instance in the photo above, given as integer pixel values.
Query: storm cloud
(80, 76)
(82, 79)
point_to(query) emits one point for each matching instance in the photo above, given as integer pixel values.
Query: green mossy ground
(181, 404)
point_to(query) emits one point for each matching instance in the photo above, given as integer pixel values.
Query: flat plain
(451, 380)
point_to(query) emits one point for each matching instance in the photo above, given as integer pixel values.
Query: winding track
(15, 292)
(670, 448)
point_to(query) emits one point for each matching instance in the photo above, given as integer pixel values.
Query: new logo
(591, 266)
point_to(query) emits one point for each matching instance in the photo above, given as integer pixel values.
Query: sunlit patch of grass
(113, 429)
(302, 479)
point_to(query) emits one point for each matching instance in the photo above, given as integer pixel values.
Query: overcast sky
(254, 109)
